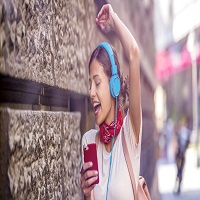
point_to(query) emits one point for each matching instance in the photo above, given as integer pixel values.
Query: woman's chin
(98, 121)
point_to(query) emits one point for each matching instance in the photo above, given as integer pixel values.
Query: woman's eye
(98, 83)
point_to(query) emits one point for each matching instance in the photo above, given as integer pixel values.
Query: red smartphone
(90, 155)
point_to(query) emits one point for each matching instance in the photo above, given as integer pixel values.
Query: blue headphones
(114, 79)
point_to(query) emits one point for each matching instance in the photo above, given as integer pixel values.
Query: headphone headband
(114, 79)
(109, 50)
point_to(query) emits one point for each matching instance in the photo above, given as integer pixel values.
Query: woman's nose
(92, 92)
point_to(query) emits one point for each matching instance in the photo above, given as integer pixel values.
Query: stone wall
(50, 42)
(44, 41)
(40, 155)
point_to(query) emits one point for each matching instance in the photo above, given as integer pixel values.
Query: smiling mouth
(97, 109)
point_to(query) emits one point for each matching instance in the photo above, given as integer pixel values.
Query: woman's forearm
(127, 40)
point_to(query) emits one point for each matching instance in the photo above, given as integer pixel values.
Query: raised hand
(104, 18)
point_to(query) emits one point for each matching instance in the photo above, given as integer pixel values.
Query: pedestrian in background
(183, 140)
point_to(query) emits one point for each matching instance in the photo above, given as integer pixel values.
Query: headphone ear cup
(114, 85)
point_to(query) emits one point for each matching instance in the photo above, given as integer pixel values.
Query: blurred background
(45, 108)
(177, 43)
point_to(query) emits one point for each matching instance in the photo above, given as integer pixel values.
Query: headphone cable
(113, 138)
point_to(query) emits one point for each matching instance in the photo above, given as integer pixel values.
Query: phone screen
(90, 155)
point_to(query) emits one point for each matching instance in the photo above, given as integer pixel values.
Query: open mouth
(97, 108)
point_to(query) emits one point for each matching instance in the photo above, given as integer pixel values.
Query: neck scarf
(107, 131)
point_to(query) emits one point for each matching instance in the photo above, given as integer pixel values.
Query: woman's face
(102, 102)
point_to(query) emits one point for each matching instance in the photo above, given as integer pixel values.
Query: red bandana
(107, 131)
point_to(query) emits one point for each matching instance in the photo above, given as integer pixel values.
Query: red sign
(168, 62)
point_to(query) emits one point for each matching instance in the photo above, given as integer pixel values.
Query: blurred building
(177, 39)
(45, 108)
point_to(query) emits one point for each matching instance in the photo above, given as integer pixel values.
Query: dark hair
(101, 55)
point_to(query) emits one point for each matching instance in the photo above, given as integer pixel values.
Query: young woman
(119, 184)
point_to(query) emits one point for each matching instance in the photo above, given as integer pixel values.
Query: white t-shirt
(120, 183)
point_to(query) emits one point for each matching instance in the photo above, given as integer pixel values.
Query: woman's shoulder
(127, 120)
(129, 132)
(89, 136)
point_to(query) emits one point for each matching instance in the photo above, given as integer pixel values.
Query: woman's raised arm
(108, 20)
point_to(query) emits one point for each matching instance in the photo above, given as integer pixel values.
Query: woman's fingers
(104, 16)
(104, 19)
(103, 11)
(88, 177)
(85, 167)
(89, 182)
(101, 24)
(90, 173)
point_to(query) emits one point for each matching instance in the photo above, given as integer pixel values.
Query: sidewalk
(190, 189)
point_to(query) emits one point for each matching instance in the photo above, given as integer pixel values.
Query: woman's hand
(88, 177)
(104, 18)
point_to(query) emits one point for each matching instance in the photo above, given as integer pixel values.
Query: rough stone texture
(43, 155)
(50, 42)
(44, 41)
(71, 157)
(4, 151)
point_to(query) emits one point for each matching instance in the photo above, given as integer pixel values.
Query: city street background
(190, 189)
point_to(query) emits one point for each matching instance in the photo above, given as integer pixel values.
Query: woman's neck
(111, 115)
